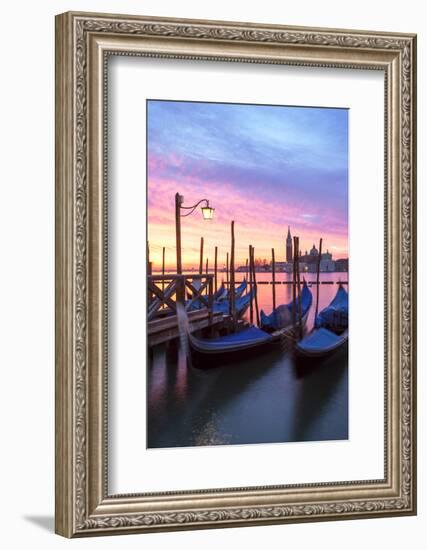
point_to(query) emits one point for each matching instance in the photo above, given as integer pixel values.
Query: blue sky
(294, 157)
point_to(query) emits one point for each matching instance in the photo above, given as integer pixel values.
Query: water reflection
(321, 410)
(264, 399)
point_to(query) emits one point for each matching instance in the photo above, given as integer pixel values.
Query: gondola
(214, 352)
(330, 331)
(335, 316)
(209, 352)
(220, 297)
(245, 339)
(241, 304)
(241, 288)
(222, 293)
(321, 343)
(283, 316)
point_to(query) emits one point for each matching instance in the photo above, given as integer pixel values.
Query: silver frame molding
(83, 43)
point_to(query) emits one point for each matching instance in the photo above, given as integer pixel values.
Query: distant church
(309, 261)
(313, 255)
(309, 257)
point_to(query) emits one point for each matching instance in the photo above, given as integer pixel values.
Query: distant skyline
(265, 167)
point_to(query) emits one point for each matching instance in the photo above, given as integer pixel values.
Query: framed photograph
(235, 274)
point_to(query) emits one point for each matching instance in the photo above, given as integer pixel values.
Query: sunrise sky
(265, 167)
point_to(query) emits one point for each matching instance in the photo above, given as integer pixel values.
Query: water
(263, 399)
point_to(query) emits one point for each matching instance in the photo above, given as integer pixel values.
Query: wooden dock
(164, 291)
(166, 329)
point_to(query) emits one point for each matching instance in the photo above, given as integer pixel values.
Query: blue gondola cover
(335, 316)
(282, 315)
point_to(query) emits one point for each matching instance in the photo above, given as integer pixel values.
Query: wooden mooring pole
(178, 201)
(163, 269)
(180, 290)
(149, 271)
(299, 290)
(299, 294)
(250, 282)
(273, 270)
(294, 280)
(227, 280)
(216, 268)
(255, 286)
(201, 256)
(318, 279)
(210, 303)
(232, 279)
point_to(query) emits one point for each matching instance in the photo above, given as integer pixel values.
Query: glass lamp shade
(208, 212)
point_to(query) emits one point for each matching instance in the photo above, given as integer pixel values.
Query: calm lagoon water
(263, 399)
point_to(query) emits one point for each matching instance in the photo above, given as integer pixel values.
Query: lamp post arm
(193, 208)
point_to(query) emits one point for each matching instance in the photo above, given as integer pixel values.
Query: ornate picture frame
(84, 42)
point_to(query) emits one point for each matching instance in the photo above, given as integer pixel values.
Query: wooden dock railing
(164, 290)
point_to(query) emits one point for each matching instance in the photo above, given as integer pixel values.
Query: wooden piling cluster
(296, 289)
(253, 285)
(251, 279)
(317, 278)
(273, 269)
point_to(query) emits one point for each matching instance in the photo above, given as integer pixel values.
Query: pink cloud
(258, 222)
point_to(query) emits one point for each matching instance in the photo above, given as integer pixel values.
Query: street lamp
(207, 213)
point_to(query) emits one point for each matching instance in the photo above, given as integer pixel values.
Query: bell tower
(289, 246)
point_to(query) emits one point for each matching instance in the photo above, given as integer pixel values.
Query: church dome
(314, 251)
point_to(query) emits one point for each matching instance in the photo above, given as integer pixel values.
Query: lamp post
(207, 213)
